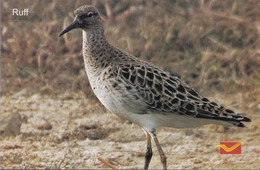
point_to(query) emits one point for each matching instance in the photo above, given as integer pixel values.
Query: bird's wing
(164, 92)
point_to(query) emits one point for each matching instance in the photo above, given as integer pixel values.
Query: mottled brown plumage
(141, 92)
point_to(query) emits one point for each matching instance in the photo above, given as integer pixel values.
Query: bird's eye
(90, 14)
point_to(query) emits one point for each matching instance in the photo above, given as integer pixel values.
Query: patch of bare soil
(70, 131)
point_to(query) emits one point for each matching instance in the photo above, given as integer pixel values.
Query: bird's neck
(95, 49)
(93, 41)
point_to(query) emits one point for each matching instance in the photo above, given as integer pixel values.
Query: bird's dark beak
(73, 25)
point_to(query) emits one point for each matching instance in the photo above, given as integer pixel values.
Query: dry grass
(217, 42)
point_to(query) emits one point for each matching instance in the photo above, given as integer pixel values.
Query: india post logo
(230, 147)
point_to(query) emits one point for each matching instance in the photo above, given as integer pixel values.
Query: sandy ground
(70, 131)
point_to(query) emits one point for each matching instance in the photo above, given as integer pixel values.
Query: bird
(141, 92)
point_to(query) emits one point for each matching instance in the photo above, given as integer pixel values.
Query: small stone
(220, 129)
(10, 123)
(44, 126)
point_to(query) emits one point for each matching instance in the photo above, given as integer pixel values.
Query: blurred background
(59, 123)
(211, 44)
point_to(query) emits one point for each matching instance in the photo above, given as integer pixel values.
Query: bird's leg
(162, 155)
(149, 151)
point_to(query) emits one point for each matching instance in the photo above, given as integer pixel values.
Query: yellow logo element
(229, 149)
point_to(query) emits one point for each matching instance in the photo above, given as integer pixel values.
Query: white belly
(121, 103)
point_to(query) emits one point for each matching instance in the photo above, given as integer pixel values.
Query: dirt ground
(71, 131)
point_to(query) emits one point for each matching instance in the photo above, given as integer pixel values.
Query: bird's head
(86, 17)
